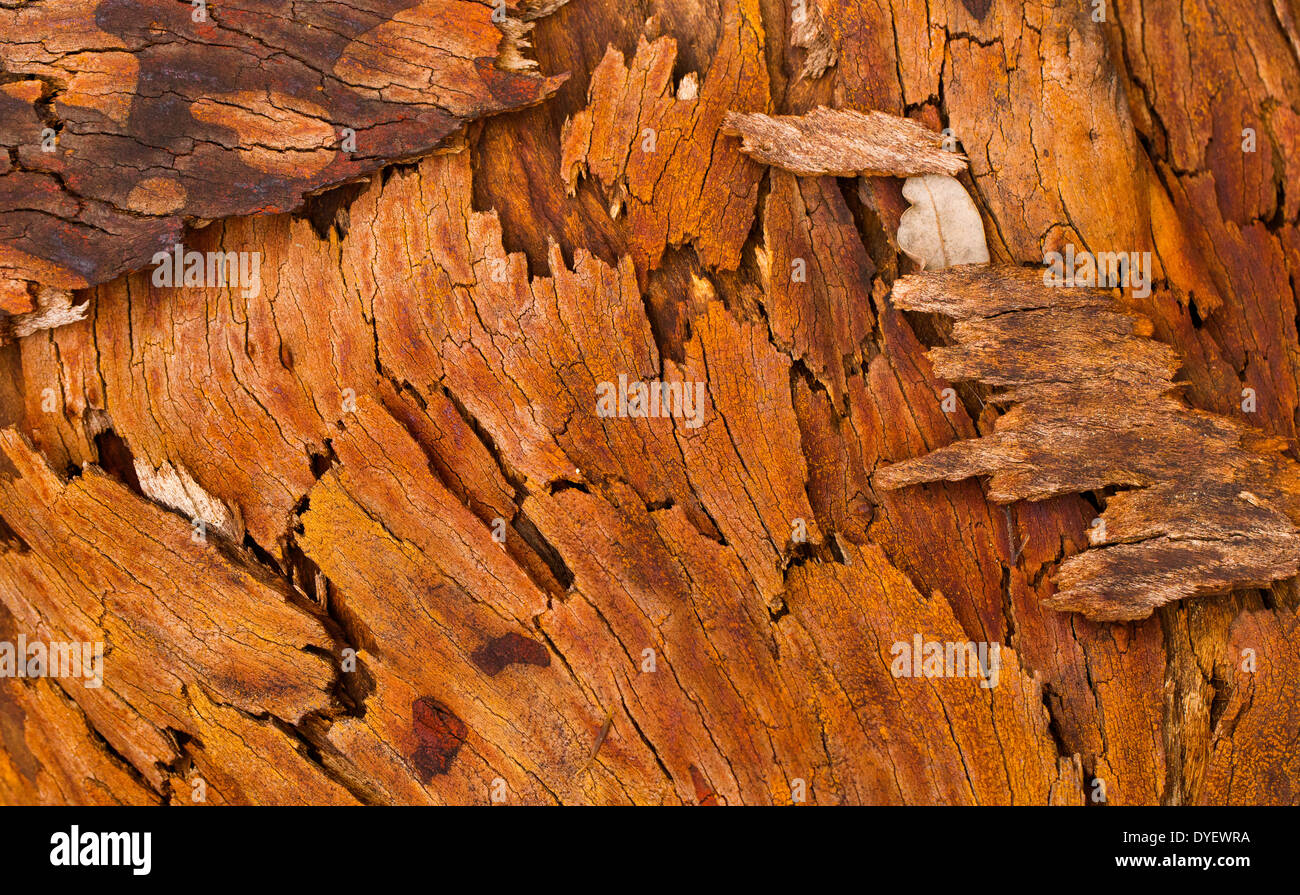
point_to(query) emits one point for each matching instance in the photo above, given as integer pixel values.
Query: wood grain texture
(125, 120)
(658, 149)
(437, 570)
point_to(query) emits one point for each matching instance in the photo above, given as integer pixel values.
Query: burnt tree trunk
(375, 525)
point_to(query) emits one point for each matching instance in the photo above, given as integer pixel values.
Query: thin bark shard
(843, 143)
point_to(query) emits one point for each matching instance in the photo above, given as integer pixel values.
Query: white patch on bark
(943, 226)
(53, 308)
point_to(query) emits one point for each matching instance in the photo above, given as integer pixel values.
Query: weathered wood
(657, 148)
(843, 143)
(1215, 505)
(124, 121)
(437, 569)
(67, 576)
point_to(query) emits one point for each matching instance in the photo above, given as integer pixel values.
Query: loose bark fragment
(843, 143)
(50, 308)
(135, 119)
(1216, 505)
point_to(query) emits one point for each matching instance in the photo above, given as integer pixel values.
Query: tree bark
(381, 529)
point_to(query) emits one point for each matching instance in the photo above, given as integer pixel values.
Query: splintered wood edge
(843, 143)
(1207, 505)
(90, 216)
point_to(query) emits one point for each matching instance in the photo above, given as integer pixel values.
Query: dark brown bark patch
(138, 119)
(440, 735)
(510, 649)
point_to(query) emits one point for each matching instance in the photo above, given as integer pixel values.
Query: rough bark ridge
(1215, 505)
(367, 533)
(124, 120)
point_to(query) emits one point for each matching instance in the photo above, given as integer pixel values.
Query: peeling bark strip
(125, 120)
(843, 143)
(1213, 505)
